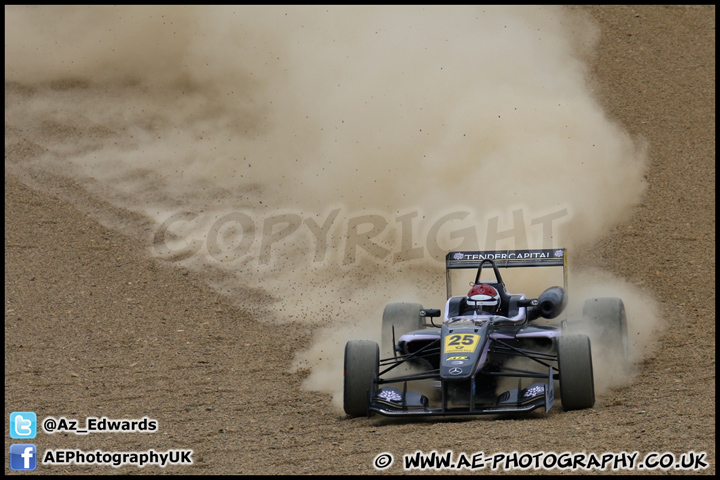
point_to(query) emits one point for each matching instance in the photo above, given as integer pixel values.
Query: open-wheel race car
(489, 354)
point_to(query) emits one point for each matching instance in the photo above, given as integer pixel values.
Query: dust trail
(327, 154)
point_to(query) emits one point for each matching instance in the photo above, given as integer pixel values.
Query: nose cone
(461, 348)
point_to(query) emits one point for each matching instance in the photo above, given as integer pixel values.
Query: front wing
(392, 401)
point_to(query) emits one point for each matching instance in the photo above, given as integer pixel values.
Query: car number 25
(461, 343)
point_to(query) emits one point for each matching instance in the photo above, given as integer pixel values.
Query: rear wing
(555, 257)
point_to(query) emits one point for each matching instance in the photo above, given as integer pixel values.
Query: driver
(483, 299)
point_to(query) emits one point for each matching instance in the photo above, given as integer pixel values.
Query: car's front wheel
(362, 360)
(577, 387)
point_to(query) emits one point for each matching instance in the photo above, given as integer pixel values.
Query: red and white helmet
(484, 297)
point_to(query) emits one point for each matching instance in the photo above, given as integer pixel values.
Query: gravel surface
(94, 326)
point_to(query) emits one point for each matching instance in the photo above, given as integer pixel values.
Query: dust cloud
(331, 153)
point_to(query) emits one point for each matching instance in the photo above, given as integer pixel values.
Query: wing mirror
(430, 312)
(528, 302)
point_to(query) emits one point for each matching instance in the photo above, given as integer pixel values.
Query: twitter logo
(23, 425)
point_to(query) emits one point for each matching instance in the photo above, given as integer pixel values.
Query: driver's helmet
(484, 298)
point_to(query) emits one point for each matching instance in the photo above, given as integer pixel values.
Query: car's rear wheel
(607, 316)
(577, 387)
(362, 359)
(405, 317)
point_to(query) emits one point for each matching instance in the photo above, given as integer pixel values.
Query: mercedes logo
(455, 371)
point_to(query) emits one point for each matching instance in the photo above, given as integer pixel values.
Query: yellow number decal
(461, 343)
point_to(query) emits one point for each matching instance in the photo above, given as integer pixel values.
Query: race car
(493, 352)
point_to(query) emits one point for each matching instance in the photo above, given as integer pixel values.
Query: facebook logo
(23, 425)
(23, 456)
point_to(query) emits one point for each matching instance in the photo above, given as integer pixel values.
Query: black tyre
(577, 386)
(607, 317)
(405, 317)
(362, 358)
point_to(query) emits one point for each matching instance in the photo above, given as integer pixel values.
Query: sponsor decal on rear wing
(555, 257)
(508, 258)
